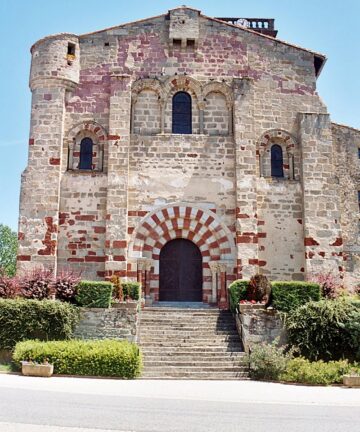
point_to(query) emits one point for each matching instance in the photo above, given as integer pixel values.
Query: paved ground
(89, 405)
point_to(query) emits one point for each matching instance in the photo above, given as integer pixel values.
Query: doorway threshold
(183, 305)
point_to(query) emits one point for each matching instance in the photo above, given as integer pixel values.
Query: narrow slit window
(277, 162)
(359, 153)
(86, 154)
(190, 43)
(359, 200)
(181, 113)
(71, 49)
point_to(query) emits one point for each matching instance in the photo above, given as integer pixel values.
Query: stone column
(223, 269)
(322, 232)
(40, 182)
(214, 280)
(291, 165)
(201, 106)
(246, 178)
(118, 173)
(144, 266)
(230, 125)
(162, 116)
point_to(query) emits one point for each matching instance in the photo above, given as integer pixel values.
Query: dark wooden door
(180, 272)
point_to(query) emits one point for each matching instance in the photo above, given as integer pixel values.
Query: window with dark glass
(277, 162)
(359, 199)
(359, 153)
(86, 154)
(181, 113)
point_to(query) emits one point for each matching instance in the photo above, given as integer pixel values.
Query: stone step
(218, 356)
(196, 332)
(209, 355)
(182, 310)
(185, 321)
(193, 349)
(180, 338)
(191, 344)
(188, 325)
(195, 363)
(195, 368)
(179, 375)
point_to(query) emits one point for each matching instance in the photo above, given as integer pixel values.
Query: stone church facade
(186, 151)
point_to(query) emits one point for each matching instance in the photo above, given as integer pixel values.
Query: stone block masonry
(219, 186)
(120, 323)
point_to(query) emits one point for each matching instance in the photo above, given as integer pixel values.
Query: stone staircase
(191, 344)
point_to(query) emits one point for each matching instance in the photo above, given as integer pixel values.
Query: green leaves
(237, 292)
(326, 330)
(94, 294)
(269, 361)
(29, 319)
(288, 296)
(77, 357)
(8, 250)
(303, 371)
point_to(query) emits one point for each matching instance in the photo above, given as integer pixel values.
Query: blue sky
(329, 27)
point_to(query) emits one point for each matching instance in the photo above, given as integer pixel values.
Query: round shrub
(322, 330)
(269, 361)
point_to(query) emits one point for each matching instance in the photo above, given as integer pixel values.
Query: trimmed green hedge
(288, 296)
(131, 290)
(77, 357)
(28, 319)
(304, 371)
(94, 294)
(237, 292)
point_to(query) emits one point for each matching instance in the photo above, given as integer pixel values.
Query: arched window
(86, 154)
(277, 162)
(181, 113)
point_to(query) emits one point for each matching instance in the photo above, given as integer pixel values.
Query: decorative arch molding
(183, 83)
(199, 225)
(147, 84)
(93, 127)
(183, 220)
(98, 135)
(218, 87)
(288, 144)
(273, 136)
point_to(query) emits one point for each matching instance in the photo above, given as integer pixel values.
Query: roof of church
(319, 59)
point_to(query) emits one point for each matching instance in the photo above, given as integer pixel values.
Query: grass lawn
(5, 367)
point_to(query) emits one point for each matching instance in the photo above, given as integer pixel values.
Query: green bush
(237, 292)
(322, 330)
(131, 290)
(288, 296)
(94, 294)
(77, 357)
(301, 370)
(28, 319)
(268, 361)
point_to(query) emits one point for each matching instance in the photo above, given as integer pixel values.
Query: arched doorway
(180, 272)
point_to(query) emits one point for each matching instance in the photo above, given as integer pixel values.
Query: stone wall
(248, 92)
(258, 325)
(346, 154)
(119, 322)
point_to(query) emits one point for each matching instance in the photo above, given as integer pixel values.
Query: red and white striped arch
(202, 226)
